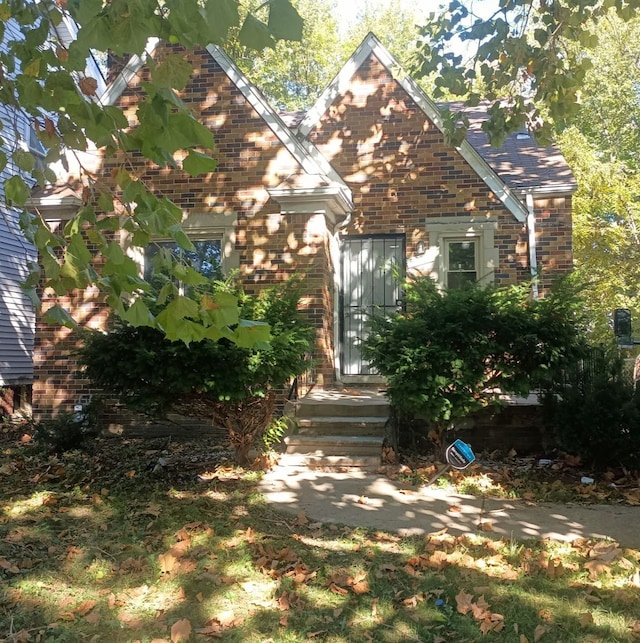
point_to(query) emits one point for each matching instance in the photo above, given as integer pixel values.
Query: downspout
(533, 255)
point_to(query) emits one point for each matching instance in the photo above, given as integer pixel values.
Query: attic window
(523, 136)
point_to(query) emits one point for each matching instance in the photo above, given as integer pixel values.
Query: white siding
(17, 318)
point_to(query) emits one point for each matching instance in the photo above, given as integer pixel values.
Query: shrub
(150, 374)
(595, 412)
(454, 352)
(65, 432)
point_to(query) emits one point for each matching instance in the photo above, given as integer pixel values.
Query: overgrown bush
(595, 412)
(234, 385)
(65, 432)
(454, 352)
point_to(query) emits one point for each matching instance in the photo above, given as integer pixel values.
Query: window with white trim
(206, 258)
(459, 250)
(460, 261)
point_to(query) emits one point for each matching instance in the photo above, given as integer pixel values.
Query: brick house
(356, 192)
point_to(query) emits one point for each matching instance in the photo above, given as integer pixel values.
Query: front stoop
(337, 430)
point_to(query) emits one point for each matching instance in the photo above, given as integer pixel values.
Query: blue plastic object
(459, 455)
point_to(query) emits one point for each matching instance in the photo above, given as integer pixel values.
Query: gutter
(533, 255)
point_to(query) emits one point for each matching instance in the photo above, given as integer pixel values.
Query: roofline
(563, 189)
(371, 45)
(133, 66)
(307, 155)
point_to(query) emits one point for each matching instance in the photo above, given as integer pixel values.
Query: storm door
(373, 268)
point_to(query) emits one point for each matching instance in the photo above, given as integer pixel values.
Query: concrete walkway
(359, 499)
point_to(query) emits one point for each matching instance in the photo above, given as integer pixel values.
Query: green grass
(95, 548)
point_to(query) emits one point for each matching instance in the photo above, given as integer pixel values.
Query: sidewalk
(368, 500)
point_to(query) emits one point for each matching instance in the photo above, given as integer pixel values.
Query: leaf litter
(201, 559)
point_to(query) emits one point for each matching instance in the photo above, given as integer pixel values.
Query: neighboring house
(356, 192)
(17, 317)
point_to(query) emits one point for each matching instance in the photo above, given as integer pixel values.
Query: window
(206, 258)
(461, 261)
(459, 250)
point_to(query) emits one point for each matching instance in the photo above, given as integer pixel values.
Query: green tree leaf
(16, 191)
(284, 21)
(138, 314)
(59, 316)
(255, 34)
(197, 163)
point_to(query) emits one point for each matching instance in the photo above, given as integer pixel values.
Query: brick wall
(402, 174)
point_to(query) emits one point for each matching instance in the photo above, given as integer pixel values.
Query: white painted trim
(371, 45)
(133, 66)
(332, 200)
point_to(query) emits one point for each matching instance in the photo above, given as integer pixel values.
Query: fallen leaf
(181, 630)
(635, 630)
(93, 618)
(597, 567)
(10, 567)
(302, 519)
(363, 500)
(168, 562)
(485, 526)
(464, 602)
(586, 618)
(539, 632)
(84, 608)
(336, 589)
(454, 509)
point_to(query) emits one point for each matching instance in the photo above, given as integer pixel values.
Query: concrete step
(355, 407)
(350, 403)
(334, 445)
(337, 425)
(330, 462)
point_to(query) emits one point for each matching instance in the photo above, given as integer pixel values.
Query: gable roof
(503, 171)
(326, 181)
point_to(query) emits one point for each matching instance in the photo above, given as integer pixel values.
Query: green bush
(595, 412)
(454, 352)
(65, 432)
(150, 374)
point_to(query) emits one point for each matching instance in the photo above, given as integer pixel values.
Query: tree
(42, 72)
(602, 147)
(522, 48)
(292, 74)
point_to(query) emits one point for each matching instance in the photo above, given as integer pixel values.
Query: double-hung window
(460, 262)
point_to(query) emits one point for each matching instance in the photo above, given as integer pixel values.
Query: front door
(373, 268)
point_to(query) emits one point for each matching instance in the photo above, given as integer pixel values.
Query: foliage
(606, 239)
(457, 351)
(273, 434)
(519, 49)
(151, 374)
(44, 77)
(601, 147)
(596, 412)
(64, 432)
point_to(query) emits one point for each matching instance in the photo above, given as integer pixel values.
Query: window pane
(206, 258)
(460, 279)
(462, 255)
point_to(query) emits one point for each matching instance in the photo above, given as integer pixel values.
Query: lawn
(147, 540)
